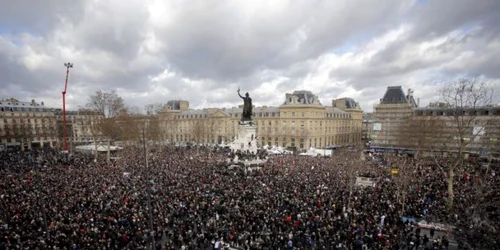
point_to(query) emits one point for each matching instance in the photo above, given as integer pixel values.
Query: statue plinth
(247, 137)
(246, 122)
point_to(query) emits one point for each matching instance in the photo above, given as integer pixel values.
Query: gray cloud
(153, 51)
(38, 17)
(439, 17)
(222, 44)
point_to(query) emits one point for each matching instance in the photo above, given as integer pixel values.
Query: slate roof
(11, 104)
(305, 96)
(349, 103)
(396, 95)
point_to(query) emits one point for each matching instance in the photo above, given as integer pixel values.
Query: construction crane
(65, 143)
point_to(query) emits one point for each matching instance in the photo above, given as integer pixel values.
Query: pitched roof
(303, 97)
(394, 95)
(349, 103)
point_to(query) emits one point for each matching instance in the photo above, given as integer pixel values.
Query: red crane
(65, 143)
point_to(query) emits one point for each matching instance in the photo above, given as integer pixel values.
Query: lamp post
(65, 143)
(324, 148)
(148, 189)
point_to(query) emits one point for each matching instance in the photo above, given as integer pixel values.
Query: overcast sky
(153, 51)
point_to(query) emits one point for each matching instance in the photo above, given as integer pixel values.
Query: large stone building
(26, 125)
(81, 127)
(390, 114)
(400, 123)
(300, 122)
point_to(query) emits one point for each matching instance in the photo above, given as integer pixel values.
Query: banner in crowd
(365, 182)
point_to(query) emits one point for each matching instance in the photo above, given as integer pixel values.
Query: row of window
(266, 114)
(25, 109)
(483, 112)
(35, 121)
(35, 139)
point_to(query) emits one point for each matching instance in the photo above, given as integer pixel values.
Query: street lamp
(150, 209)
(67, 65)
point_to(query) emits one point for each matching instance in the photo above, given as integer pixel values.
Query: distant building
(26, 125)
(81, 127)
(390, 114)
(366, 130)
(300, 122)
(398, 122)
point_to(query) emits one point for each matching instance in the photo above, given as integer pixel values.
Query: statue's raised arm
(240, 94)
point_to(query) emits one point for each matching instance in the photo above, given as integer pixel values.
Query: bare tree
(91, 123)
(128, 124)
(154, 108)
(154, 132)
(491, 140)
(465, 98)
(169, 129)
(478, 226)
(23, 133)
(404, 172)
(198, 131)
(423, 131)
(109, 105)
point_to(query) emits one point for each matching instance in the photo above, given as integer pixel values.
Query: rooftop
(302, 97)
(396, 95)
(14, 105)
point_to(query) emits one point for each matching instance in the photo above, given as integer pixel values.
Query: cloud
(202, 51)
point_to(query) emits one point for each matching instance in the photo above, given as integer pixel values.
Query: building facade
(366, 130)
(81, 127)
(438, 127)
(26, 125)
(399, 123)
(300, 122)
(390, 116)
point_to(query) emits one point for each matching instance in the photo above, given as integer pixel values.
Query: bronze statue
(247, 107)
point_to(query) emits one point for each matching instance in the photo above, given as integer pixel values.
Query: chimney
(418, 102)
(41, 103)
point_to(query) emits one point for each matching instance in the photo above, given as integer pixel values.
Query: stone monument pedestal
(246, 140)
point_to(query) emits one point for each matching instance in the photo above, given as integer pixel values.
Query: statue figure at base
(247, 107)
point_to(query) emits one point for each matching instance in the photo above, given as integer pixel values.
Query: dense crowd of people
(189, 199)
